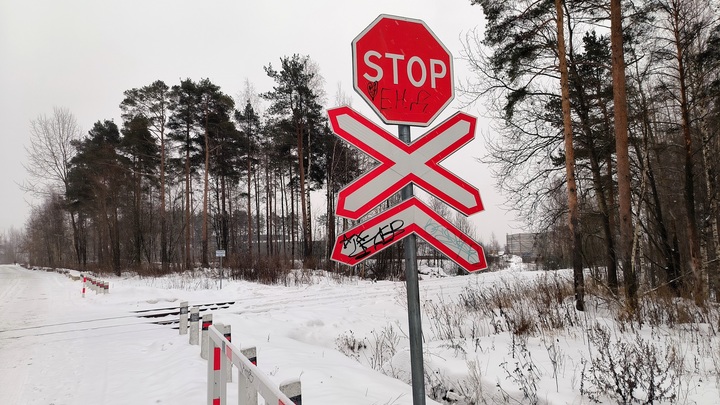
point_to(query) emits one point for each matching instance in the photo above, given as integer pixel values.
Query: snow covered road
(56, 348)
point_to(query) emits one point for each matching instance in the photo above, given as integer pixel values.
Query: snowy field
(346, 341)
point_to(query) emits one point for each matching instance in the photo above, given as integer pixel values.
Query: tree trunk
(292, 218)
(610, 212)
(283, 213)
(670, 253)
(76, 239)
(249, 207)
(137, 230)
(268, 204)
(611, 258)
(163, 224)
(224, 232)
(612, 271)
(622, 154)
(696, 269)
(573, 220)
(82, 237)
(206, 188)
(307, 237)
(115, 240)
(330, 201)
(713, 265)
(277, 185)
(257, 211)
(188, 220)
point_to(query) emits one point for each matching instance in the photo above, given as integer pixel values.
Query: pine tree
(152, 103)
(298, 106)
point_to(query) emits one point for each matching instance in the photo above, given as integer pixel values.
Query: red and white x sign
(402, 164)
(408, 217)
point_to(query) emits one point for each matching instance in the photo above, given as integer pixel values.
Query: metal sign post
(413, 297)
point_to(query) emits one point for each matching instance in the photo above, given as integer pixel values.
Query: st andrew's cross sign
(400, 165)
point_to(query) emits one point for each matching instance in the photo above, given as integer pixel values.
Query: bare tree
(463, 224)
(250, 95)
(49, 154)
(50, 151)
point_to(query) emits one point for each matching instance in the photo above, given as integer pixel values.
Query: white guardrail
(251, 381)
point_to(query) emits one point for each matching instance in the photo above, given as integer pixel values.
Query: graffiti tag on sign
(452, 241)
(366, 242)
(409, 217)
(401, 99)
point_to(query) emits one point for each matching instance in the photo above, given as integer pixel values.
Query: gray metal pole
(413, 294)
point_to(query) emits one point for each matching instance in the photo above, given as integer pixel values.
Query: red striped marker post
(217, 385)
(227, 334)
(292, 389)
(84, 282)
(206, 322)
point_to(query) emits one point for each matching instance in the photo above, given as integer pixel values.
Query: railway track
(148, 316)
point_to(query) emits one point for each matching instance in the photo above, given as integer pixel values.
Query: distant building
(524, 245)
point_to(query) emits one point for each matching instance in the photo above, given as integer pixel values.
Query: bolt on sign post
(403, 71)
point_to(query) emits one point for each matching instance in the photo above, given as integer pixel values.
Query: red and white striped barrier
(97, 285)
(223, 356)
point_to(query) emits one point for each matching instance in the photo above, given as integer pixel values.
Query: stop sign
(402, 70)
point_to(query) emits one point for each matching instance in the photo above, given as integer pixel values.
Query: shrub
(636, 372)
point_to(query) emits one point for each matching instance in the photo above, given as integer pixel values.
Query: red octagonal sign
(402, 70)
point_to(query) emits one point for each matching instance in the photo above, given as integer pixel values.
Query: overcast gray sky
(82, 55)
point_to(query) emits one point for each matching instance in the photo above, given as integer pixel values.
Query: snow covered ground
(346, 341)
